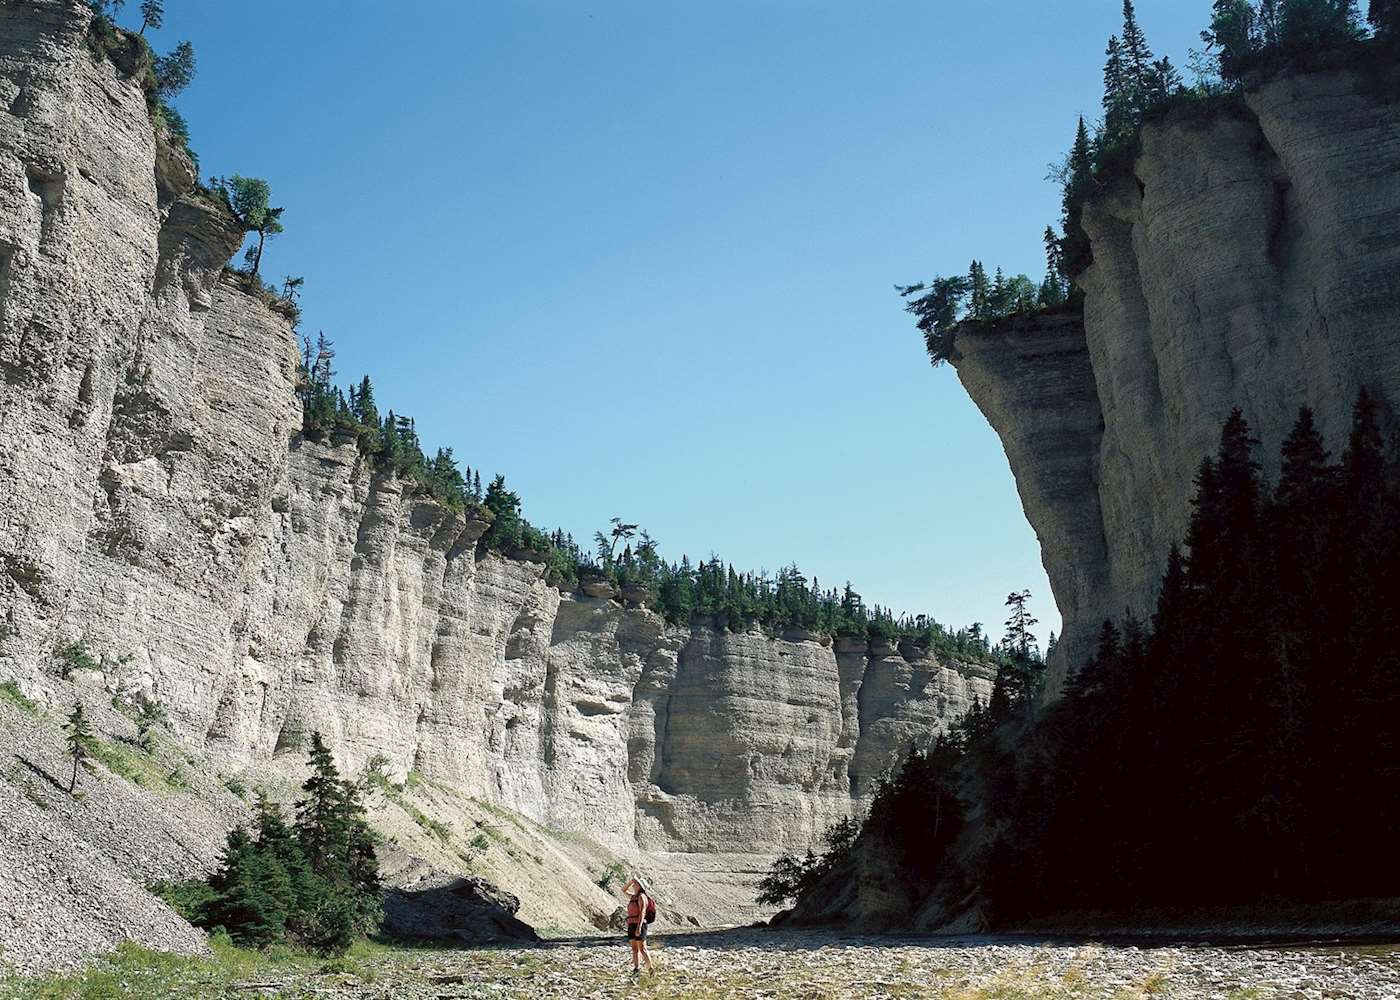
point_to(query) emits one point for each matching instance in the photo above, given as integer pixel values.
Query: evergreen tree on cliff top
(152, 14)
(1117, 96)
(250, 199)
(1137, 57)
(1232, 35)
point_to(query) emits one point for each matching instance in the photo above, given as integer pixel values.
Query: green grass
(137, 767)
(136, 973)
(9, 691)
(439, 830)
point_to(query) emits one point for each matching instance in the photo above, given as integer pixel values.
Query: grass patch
(9, 691)
(137, 767)
(439, 830)
(503, 813)
(136, 973)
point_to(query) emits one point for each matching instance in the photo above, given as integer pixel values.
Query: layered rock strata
(1250, 258)
(161, 508)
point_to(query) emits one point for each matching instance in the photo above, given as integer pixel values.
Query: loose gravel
(768, 965)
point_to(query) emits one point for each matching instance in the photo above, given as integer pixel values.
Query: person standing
(641, 911)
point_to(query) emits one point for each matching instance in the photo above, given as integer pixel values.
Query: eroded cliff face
(1252, 259)
(160, 506)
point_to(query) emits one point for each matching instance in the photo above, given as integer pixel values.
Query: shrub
(235, 785)
(188, 898)
(74, 656)
(613, 874)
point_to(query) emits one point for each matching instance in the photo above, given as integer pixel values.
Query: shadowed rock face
(160, 504)
(1250, 260)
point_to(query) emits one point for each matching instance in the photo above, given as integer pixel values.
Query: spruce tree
(252, 893)
(1078, 185)
(1053, 288)
(1232, 35)
(1137, 58)
(174, 72)
(152, 14)
(320, 824)
(79, 741)
(979, 292)
(1164, 80)
(1267, 21)
(366, 412)
(1118, 120)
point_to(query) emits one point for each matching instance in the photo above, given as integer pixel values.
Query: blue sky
(639, 256)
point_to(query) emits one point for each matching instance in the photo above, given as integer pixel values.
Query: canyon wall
(1251, 258)
(160, 506)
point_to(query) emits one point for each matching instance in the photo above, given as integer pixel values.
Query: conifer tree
(1078, 185)
(174, 72)
(1164, 81)
(365, 410)
(1137, 58)
(1053, 290)
(1267, 20)
(1117, 96)
(979, 292)
(320, 827)
(1317, 23)
(1231, 35)
(252, 893)
(152, 14)
(79, 741)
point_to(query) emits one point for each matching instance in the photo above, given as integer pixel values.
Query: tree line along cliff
(165, 511)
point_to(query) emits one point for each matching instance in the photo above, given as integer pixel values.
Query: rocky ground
(766, 965)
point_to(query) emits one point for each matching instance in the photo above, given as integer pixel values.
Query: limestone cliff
(160, 505)
(1249, 259)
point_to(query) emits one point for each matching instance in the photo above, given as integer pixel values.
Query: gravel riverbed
(766, 965)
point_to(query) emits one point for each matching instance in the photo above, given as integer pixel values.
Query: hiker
(641, 911)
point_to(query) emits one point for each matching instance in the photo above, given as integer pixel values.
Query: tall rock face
(1251, 259)
(161, 507)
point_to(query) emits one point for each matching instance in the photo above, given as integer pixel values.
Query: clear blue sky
(639, 256)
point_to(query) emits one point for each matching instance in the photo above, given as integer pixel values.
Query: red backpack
(651, 909)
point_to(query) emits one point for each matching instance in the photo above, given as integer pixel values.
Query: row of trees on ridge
(623, 557)
(1243, 38)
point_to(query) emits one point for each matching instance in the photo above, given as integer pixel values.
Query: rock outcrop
(1249, 259)
(161, 507)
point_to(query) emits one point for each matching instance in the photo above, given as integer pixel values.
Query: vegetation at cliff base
(314, 883)
(792, 875)
(1241, 745)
